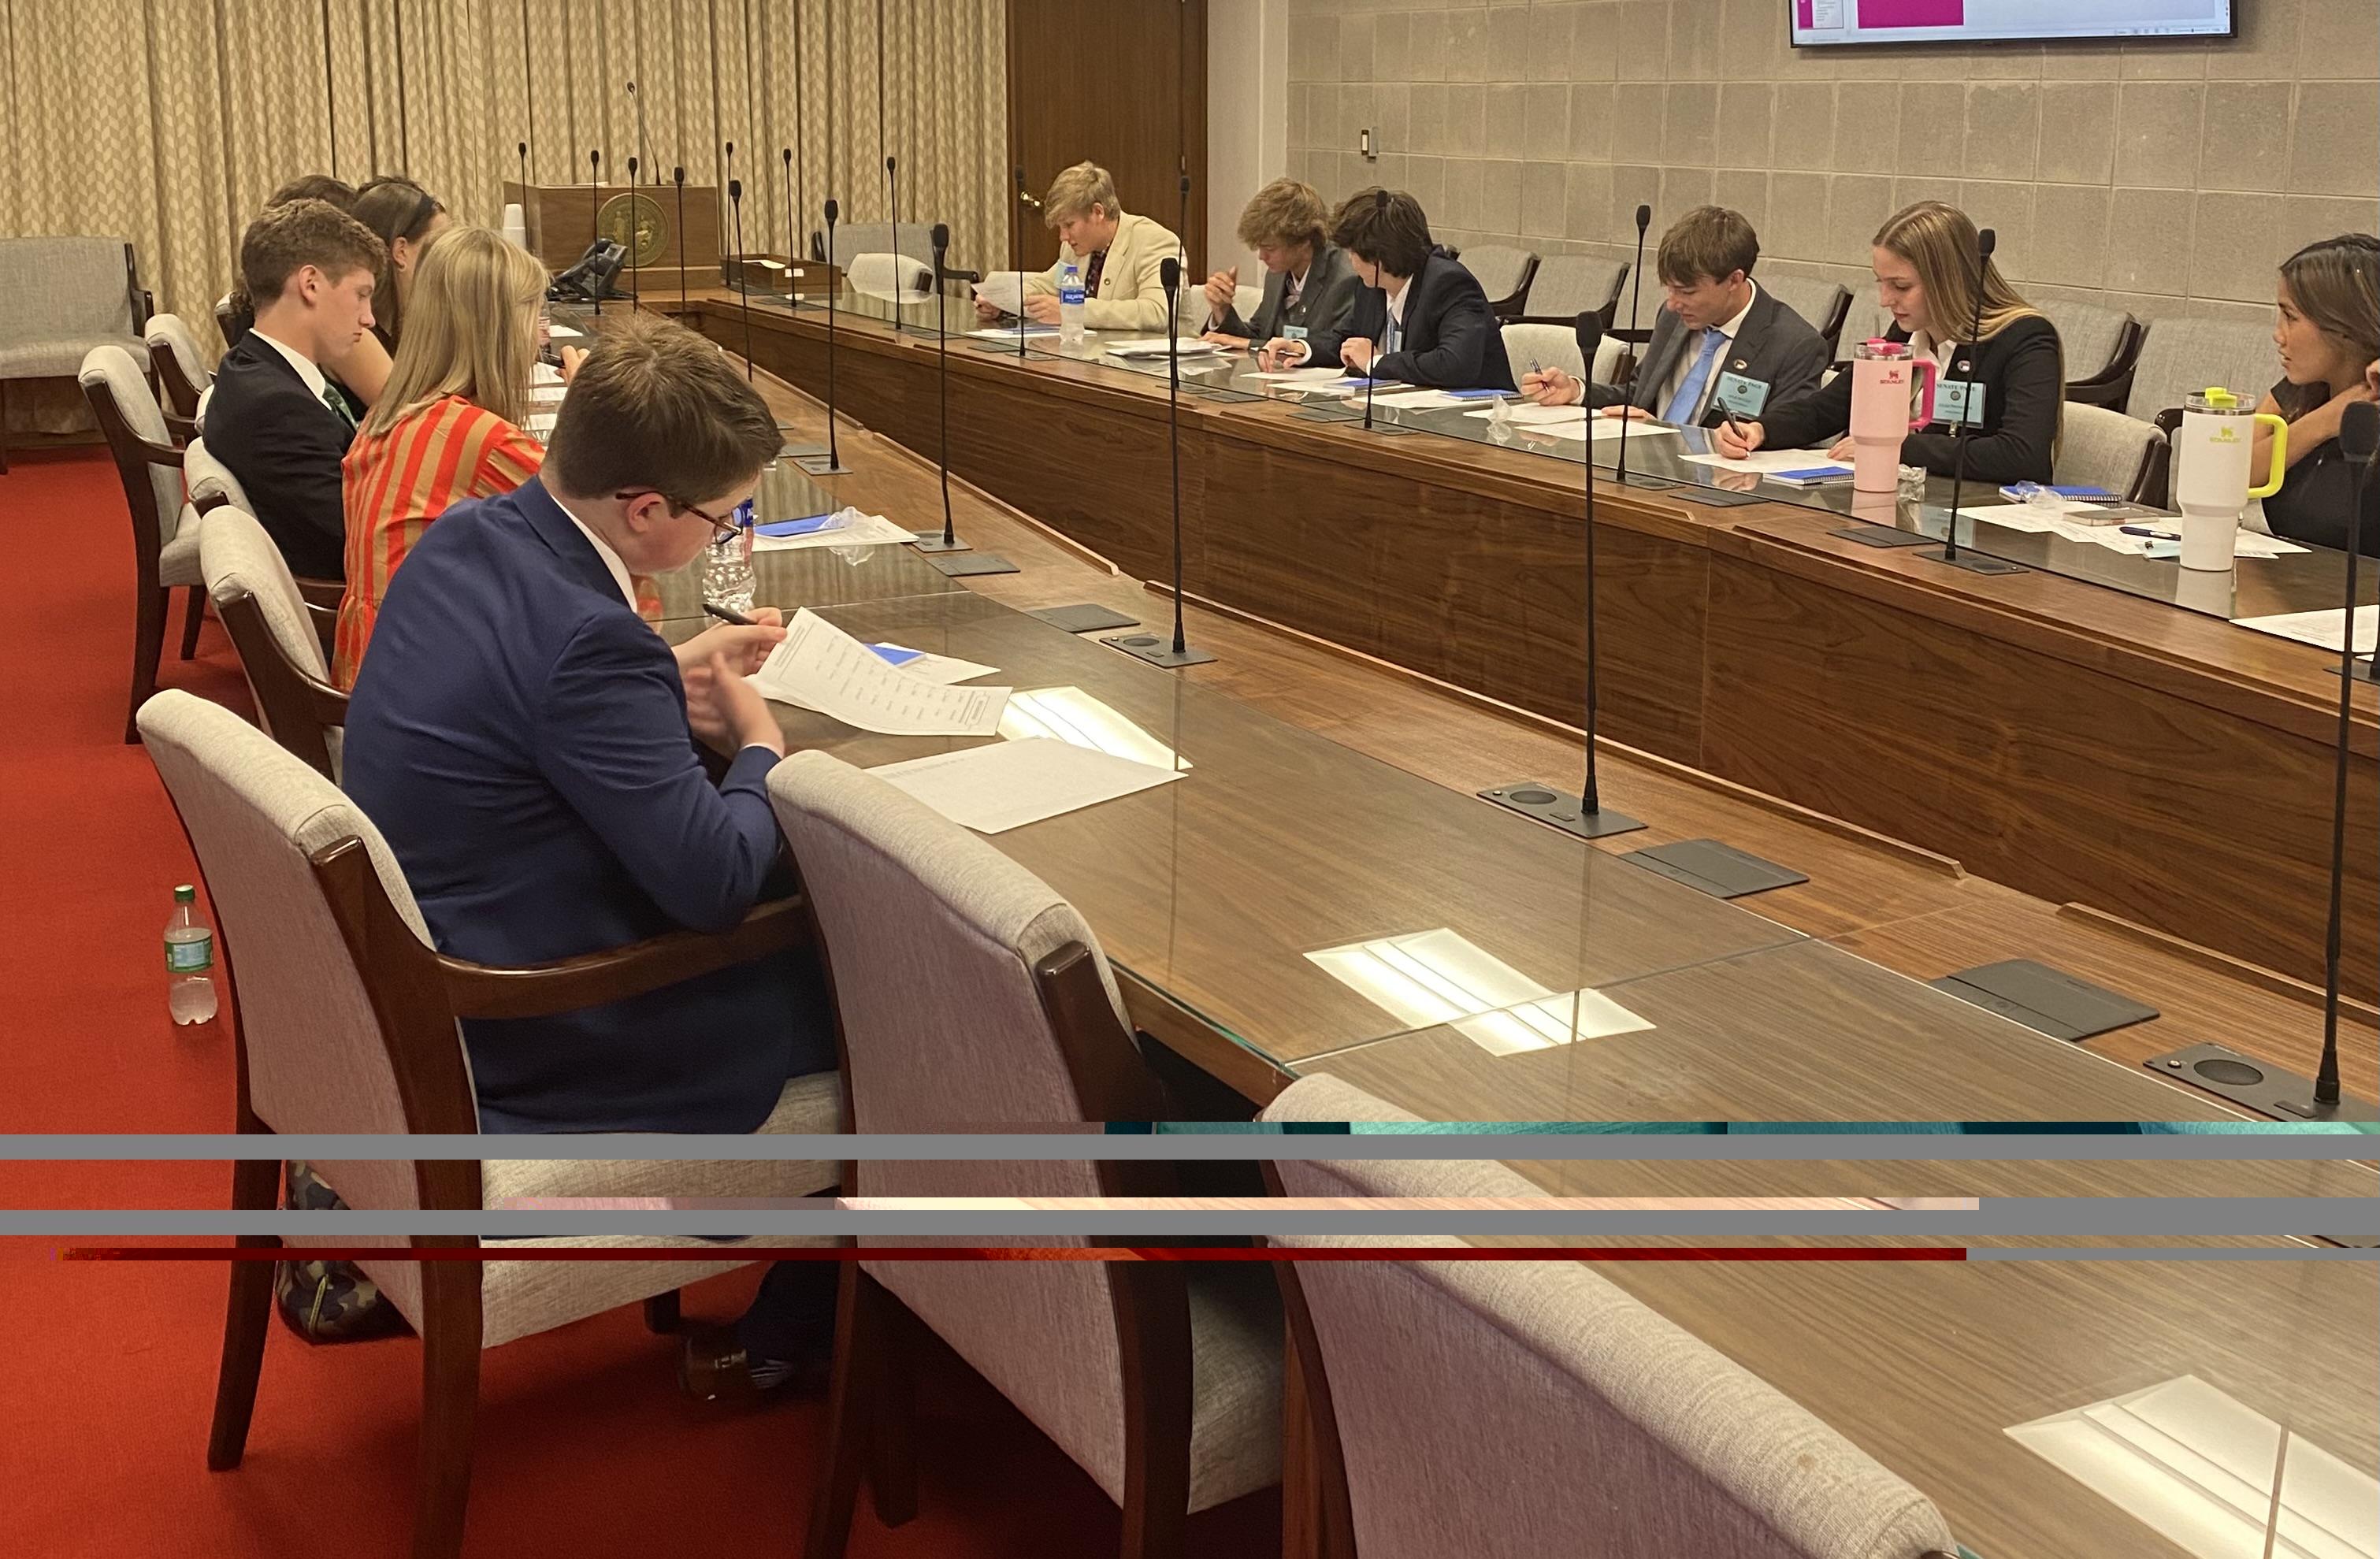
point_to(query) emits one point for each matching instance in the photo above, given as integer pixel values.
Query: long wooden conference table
(2079, 743)
(1329, 799)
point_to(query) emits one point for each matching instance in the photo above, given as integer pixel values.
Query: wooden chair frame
(298, 708)
(134, 455)
(1607, 311)
(2111, 386)
(870, 1412)
(415, 996)
(181, 395)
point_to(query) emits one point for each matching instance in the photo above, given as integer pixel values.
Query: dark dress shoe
(713, 1367)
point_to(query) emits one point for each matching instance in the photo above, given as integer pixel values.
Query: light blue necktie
(1690, 393)
(1388, 333)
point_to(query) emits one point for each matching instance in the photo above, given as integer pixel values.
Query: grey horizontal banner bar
(2164, 1253)
(986, 1147)
(2220, 1217)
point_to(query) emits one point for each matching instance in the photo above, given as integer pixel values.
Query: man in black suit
(1720, 345)
(1307, 285)
(276, 421)
(1421, 317)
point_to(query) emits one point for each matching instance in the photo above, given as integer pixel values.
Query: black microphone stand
(831, 462)
(677, 176)
(635, 282)
(1582, 814)
(1371, 369)
(1016, 257)
(743, 272)
(524, 179)
(1635, 305)
(595, 222)
(792, 254)
(893, 195)
(1974, 562)
(1147, 646)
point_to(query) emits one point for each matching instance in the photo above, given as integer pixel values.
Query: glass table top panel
(1681, 458)
(1281, 844)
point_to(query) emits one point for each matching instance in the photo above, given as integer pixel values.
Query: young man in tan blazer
(1118, 254)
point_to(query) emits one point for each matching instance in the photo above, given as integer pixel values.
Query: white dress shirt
(611, 559)
(306, 367)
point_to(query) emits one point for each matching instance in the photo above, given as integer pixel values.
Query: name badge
(1739, 394)
(1294, 332)
(1959, 402)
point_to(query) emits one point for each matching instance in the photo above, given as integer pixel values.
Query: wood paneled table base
(2075, 743)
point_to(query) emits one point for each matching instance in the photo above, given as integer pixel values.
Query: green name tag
(189, 957)
(1739, 394)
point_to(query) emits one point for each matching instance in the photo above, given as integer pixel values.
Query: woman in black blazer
(2329, 340)
(1924, 262)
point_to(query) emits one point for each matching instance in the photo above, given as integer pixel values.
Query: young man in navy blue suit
(1420, 317)
(526, 743)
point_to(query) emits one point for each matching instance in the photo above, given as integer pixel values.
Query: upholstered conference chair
(1508, 1410)
(2097, 447)
(65, 296)
(1823, 305)
(210, 481)
(181, 368)
(1567, 286)
(1556, 346)
(1503, 274)
(346, 1023)
(969, 992)
(283, 639)
(164, 554)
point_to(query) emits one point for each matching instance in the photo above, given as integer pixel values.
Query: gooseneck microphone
(677, 176)
(1986, 241)
(1016, 256)
(2358, 440)
(892, 193)
(595, 220)
(743, 272)
(793, 254)
(831, 463)
(1147, 646)
(642, 149)
(636, 283)
(524, 167)
(1635, 301)
(1583, 815)
(941, 240)
(1372, 369)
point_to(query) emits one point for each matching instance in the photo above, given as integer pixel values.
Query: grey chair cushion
(65, 295)
(237, 557)
(1809, 296)
(116, 369)
(2086, 336)
(2102, 448)
(1497, 267)
(168, 332)
(177, 560)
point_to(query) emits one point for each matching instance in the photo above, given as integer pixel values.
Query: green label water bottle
(189, 955)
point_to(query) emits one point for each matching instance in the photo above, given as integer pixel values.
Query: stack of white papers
(1527, 414)
(1303, 376)
(2320, 628)
(544, 374)
(1004, 290)
(2041, 519)
(867, 530)
(1420, 400)
(1006, 785)
(1156, 347)
(1602, 428)
(821, 667)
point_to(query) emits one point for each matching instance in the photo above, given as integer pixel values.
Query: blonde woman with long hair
(1925, 263)
(448, 425)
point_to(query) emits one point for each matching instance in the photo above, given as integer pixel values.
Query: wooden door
(1121, 83)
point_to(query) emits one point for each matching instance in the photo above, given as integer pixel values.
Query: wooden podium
(564, 219)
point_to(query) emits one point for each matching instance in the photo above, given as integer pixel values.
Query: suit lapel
(554, 527)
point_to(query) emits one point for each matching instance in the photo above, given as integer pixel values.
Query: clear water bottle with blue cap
(1070, 306)
(727, 565)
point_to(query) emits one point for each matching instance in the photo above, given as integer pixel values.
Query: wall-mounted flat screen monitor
(1818, 23)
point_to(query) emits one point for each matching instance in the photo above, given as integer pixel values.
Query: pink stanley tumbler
(1885, 376)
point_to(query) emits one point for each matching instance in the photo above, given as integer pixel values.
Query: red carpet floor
(107, 1370)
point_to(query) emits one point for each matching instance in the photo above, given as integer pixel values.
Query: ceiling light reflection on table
(1069, 714)
(1434, 977)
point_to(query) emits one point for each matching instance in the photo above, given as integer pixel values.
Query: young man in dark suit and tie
(1421, 318)
(276, 421)
(526, 742)
(1721, 345)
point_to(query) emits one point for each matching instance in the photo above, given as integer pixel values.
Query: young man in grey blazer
(1307, 287)
(1721, 345)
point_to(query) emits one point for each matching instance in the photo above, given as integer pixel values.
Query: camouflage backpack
(327, 1301)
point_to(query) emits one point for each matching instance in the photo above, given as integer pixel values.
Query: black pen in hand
(728, 614)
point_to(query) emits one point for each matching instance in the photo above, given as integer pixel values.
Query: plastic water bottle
(1070, 306)
(189, 954)
(727, 565)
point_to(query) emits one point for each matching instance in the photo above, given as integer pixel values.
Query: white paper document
(821, 667)
(563, 332)
(1004, 290)
(1601, 429)
(1302, 376)
(1420, 400)
(2043, 520)
(1527, 414)
(1008, 784)
(544, 374)
(1765, 461)
(1154, 346)
(945, 669)
(1011, 333)
(2320, 628)
(867, 530)
(541, 422)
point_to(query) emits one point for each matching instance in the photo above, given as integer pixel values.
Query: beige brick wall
(2163, 179)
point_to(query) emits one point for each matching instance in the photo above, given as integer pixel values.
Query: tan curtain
(168, 122)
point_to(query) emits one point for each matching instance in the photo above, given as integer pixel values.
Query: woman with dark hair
(2328, 334)
(407, 217)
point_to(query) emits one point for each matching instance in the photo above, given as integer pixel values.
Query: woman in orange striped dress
(448, 426)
